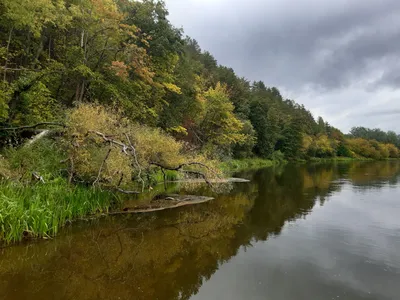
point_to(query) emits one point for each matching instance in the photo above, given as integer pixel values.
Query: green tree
(292, 139)
(321, 126)
(219, 128)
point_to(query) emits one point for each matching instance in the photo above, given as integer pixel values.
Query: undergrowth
(249, 163)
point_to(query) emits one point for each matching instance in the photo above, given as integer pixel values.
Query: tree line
(57, 55)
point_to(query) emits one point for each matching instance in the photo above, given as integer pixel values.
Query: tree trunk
(39, 50)
(82, 92)
(7, 51)
(77, 92)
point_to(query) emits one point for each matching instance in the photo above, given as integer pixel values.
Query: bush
(277, 156)
(100, 144)
(393, 151)
(371, 149)
(324, 147)
(343, 151)
(44, 156)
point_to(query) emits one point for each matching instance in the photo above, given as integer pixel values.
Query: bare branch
(198, 174)
(34, 126)
(17, 69)
(109, 140)
(101, 166)
(133, 153)
(37, 137)
(127, 192)
(120, 179)
(37, 176)
(136, 161)
(181, 166)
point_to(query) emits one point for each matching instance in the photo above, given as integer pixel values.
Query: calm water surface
(295, 232)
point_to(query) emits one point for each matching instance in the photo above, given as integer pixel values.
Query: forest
(109, 93)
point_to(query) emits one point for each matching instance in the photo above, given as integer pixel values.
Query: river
(317, 231)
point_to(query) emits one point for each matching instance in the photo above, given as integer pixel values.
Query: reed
(246, 164)
(39, 211)
(158, 176)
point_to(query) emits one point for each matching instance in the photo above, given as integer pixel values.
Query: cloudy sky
(341, 59)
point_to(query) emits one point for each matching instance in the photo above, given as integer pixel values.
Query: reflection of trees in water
(374, 174)
(166, 257)
(286, 196)
(170, 254)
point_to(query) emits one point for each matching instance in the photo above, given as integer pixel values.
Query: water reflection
(172, 254)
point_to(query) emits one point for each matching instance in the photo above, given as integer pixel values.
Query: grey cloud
(382, 113)
(326, 46)
(390, 76)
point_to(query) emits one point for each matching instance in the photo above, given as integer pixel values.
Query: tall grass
(246, 164)
(340, 158)
(40, 211)
(158, 176)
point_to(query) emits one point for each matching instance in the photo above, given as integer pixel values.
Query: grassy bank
(348, 159)
(330, 159)
(246, 164)
(41, 210)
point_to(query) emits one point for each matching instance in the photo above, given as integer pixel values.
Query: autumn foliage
(60, 58)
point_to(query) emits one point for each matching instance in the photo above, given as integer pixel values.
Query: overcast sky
(341, 58)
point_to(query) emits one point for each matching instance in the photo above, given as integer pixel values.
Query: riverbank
(190, 245)
(40, 210)
(235, 165)
(343, 159)
(347, 159)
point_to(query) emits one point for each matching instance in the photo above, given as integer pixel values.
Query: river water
(322, 231)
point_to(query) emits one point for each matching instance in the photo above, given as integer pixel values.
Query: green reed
(39, 211)
(158, 176)
(245, 164)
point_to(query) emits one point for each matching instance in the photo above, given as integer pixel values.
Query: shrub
(44, 156)
(343, 151)
(365, 148)
(105, 147)
(393, 151)
(324, 147)
(277, 156)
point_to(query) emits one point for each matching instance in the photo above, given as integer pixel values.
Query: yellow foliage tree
(368, 149)
(393, 151)
(106, 148)
(219, 128)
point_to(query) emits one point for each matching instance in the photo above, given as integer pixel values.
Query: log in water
(167, 202)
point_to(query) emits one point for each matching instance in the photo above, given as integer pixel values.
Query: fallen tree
(109, 151)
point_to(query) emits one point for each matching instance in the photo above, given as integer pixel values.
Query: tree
(56, 55)
(245, 148)
(259, 120)
(321, 126)
(108, 150)
(323, 147)
(219, 129)
(292, 139)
